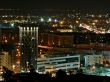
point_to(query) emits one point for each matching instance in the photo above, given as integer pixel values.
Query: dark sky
(57, 4)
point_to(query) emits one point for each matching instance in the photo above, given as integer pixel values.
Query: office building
(28, 47)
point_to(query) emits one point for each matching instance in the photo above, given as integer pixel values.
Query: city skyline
(65, 29)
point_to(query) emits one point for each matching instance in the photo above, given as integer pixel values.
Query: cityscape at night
(55, 41)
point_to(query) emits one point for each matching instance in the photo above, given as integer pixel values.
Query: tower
(28, 41)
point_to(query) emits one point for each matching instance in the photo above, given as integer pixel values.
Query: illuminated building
(57, 62)
(92, 59)
(8, 43)
(28, 46)
(5, 60)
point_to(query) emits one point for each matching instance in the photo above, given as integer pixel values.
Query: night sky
(55, 4)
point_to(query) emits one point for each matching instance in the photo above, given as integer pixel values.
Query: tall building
(28, 50)
(8, 42)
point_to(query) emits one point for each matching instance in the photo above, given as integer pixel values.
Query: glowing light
(92, 15)
(71, 26)
(17, 49)
(31, 28)
(54, 25)
(18, 52)
(77, 21)
(55, 20)
(49, 20)
(12, 24)
(42, 20)
(13, 67)
(91, 28)
(6, 41)
(61, 22)
(93, 23)
(64, 30)
(28, 28)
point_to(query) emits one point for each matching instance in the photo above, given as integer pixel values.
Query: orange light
(61, 22)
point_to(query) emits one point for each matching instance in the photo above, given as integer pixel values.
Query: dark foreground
(34, 77)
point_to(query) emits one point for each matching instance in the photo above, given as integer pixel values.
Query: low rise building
(92, 59)
(66, 62)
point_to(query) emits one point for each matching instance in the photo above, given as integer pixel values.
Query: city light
(49, 20)
(61, 22)
(42, 20)
(55, 20)
(12, 24)
(66, 40)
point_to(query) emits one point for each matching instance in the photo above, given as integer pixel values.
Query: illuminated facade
(92, 59)
(55, 63)
(28, 47)
(8, 44)
(5, 60)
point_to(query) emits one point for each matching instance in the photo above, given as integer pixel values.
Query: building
(8, 40)
(5, 60)
(28, 46)
(54, 63)
(92, 59)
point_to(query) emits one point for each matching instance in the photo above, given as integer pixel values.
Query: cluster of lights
(71, 20)
(48, 20)
(18, 52)
(91, 28)
(28, 28)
